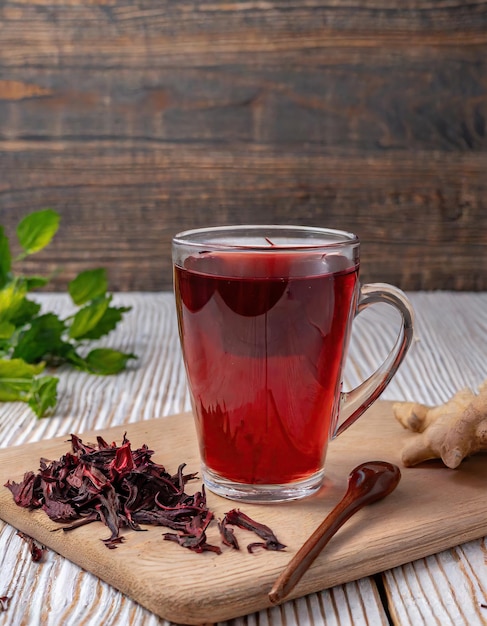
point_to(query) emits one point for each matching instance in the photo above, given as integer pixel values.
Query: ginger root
(451, 431)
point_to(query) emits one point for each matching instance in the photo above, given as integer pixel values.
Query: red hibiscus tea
(264, 326)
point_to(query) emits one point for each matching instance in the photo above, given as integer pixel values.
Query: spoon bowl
(367, 483)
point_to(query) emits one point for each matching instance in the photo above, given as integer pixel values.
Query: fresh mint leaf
(107, 323)
(30, 339)
(88, 317)
(25, 312)
(6, 330)
(34, 282)
(42, 341)
(105, 361)
(43, 395)
(16, 378)
(88, 285)
(5, 258)
(75, 359)
(11, 299)
(36, 230)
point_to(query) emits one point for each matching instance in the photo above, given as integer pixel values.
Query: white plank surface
(447, 588)
(449, 352)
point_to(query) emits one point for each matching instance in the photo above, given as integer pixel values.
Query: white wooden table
(449, 352)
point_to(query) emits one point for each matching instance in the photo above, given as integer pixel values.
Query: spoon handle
(367, 483)
(308, 552)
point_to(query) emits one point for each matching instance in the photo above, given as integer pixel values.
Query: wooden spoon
(367, 483)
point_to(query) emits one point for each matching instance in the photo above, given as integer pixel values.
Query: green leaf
(25, 312)
(19, 369)
(20, 382)
(5, 258)
(11, 299)
(75, 359)
(16, 379)
(43, 395)
(42, 340)
(36, 230)
(105, 361)
(88, 317)
(34, 282)
(107, 323)
(88, 285)
(29, 340)
(6, 330)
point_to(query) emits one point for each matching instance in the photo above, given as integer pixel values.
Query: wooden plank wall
(139, 119)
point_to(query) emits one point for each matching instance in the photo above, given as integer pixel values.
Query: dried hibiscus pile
(124, 488)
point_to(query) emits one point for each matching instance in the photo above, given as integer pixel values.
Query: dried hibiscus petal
(227, 534)
(118, 486)
(237, 518)
(193, 536)
(4, 600)
(23, 492)
(112, 542)
(36, 550)
(123, 488)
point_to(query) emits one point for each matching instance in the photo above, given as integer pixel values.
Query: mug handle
(355, 402)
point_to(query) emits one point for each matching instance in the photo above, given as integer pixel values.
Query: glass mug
(264, 316)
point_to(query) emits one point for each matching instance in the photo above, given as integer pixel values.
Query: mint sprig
(21, 381)
(31, 341)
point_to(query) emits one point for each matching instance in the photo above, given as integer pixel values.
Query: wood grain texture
(447, 588)
(137, 120)
(195, 589)
(448, 353)
(58, 592)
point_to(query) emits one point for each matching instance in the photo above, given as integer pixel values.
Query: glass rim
(190, 237)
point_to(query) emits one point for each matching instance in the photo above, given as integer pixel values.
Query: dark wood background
(136, 120)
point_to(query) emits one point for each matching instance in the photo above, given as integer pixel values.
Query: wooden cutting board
(432, 509)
